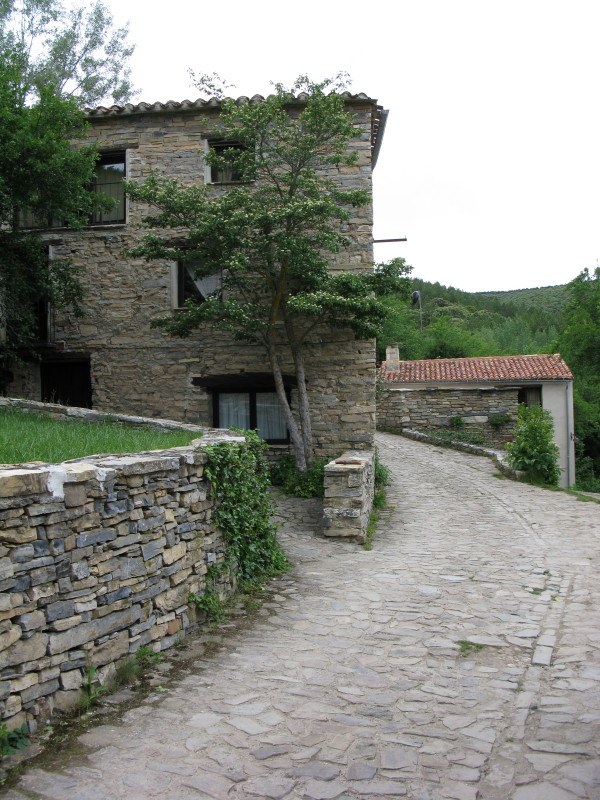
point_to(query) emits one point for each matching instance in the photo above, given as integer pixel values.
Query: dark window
(108, 180)
(530, 396)
(67, 382)
(256, 410)
(110, 172)
(191, 287)
(226, 171)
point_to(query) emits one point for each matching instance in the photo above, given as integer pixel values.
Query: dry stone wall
(97, 558)
(431, 408)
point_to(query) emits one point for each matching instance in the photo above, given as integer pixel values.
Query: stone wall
(137, 369)
(97, 558)
(430, 408)
(349, 487)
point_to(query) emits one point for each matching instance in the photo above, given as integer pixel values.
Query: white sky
(490, 164)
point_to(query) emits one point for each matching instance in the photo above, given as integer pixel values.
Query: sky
(490, 163)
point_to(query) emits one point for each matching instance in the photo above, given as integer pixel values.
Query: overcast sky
(490, 164)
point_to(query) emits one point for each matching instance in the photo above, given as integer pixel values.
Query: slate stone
(96, 537)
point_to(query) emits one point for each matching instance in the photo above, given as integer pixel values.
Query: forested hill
(455, 323)
(548, 298)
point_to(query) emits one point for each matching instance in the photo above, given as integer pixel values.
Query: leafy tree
(270, 236)
(74, 51)
(52, 61)
(579, 344)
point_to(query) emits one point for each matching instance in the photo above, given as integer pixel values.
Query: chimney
(392, 358)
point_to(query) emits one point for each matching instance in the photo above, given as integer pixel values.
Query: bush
(383, 475)
(533, 450)
(299, 484)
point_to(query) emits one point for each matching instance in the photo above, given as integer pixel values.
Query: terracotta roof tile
(493, 368)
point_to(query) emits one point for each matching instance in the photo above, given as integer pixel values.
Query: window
(110, 172)
(530, 396)
(187, 286)
(226, 171)
(256, 410)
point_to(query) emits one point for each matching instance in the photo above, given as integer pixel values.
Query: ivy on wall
(239, 479)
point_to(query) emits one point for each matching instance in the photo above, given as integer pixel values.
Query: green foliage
(134, 669)
(72, 50)
(239, 479)
(270, 234)
(210, 603)
(53, 60)
(379, 500)
(12, 741)
(146, 658)
(309, 483)
(26, 436)
(92, 689)
(463, 435)
(383, 474)
(579, 344)
(499, 420)
(459, 324)
(533, 450)
(456, 422)
(466, 648)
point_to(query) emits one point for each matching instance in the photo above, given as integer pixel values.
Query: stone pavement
(460, 658)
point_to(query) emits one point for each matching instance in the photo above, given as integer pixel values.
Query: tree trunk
(303, 405)
(295, 434)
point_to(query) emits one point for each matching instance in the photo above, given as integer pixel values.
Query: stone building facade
(112, 359)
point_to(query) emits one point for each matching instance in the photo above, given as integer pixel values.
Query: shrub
(497, 421)
(382, 473)
(299, 484)
(533, 450)
(456, 422)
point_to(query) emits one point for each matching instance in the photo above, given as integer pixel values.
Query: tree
(270, 235)
(76, 52)
(52, 61)
(579, 344)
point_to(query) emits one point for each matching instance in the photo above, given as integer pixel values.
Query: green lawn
(26, 436)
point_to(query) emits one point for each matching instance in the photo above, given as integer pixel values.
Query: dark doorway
(67, 382)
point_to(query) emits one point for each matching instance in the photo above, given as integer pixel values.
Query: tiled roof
(378, 114)
(192, 105)
(493, 368)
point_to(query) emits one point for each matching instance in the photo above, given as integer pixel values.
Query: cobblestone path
(460, 658)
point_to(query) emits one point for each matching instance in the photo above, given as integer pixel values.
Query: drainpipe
(570, 438)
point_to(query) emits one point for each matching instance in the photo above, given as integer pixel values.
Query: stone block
(60, 610)
(73, 679)
(17, 482)
(25, 650)
(32, 621)
(75, 494)
(153, 548)
(10, 636)
(87, 632)
(111, 650)
(96, 537)
(173, 554)
(172, 599)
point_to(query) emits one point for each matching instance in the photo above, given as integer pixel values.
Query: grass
(466, 647)
(25, 436)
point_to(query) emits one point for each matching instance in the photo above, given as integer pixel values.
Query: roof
(378, 117)
(494, 368)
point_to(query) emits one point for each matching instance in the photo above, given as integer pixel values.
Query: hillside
(548, 298)
(455, 323)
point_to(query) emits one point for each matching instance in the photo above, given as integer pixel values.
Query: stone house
(479, 393)
(111, 359)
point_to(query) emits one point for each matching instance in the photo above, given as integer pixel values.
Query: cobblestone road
(352, 682)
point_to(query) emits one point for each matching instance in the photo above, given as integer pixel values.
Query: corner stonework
(349, 487)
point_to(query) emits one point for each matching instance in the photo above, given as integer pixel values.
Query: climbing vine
(239, 479)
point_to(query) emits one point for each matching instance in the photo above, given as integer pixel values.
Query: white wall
(557, 398)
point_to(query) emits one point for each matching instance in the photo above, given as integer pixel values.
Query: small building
(479, 393)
